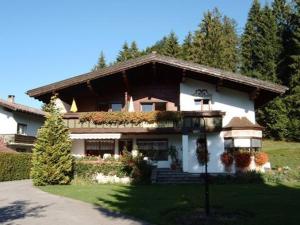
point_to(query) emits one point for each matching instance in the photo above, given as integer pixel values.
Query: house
(114, 108)
(19, 124)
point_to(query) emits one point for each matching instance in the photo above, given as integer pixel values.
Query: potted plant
(261, 158)
(242, 160)
(227, 161)
(174, 157)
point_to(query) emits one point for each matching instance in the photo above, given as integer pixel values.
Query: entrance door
(125, 144)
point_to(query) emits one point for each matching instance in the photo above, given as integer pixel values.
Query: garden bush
(15, 166)
(134, 167)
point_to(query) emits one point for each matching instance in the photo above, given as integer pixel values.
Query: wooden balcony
(189, 122)
(18, 139)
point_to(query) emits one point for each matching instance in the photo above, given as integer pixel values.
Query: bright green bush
(134, 167)
(14, 166)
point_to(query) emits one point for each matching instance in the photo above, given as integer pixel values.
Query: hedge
(15, 166)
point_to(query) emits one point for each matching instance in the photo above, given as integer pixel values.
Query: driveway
(21, 203)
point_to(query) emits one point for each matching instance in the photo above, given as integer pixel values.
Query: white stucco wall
(62, 106)
(9, 122)
(234, 103)
(33, 122)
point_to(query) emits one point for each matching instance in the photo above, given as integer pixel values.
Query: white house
(19, 124)
(214, 107)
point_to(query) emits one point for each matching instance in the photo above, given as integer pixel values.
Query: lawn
(257, 204)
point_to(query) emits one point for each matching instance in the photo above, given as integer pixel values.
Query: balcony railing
(18, 139)
(174, 122)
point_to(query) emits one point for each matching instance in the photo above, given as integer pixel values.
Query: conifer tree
(101, 62)
(215, 42)
(52, 162)
(124, 54)
(171, 46)
(187, 48)
(134, 50)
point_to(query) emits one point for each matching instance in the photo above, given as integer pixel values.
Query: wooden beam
(91, 88)
(254, 94)
(125, 80)
(219, 85)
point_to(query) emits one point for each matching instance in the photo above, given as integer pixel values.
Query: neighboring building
(225, 101)
(19, 124)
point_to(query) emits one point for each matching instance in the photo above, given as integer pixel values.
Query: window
(160, 106)
(202, 104)
(99, 147)
(154, 149)
(22, 129)
(147, 107)
(125, 144)
(116, 107)
(104, 107)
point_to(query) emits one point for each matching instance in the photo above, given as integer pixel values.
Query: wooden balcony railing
(188, 122)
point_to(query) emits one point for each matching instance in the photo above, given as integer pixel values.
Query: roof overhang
(201, 70)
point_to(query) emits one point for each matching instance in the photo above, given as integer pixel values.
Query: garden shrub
(261, 158)
(134, 167)
(242, 159)
(14, 166)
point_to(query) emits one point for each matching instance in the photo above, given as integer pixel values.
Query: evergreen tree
(157, 47)
(171, 46)
(215, 42)
(260, 44)
(293, 99)
(52, 162)
(134, 50)
(101, 62)
(124, 54)
(187, 48)
(282, 13)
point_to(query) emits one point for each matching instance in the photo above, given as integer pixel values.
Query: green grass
(161, 204)
(283, 153)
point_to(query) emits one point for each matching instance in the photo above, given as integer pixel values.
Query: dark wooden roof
(21, 108)
(237, 123)
(156, 58)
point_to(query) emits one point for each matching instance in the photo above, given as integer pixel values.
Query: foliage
(261, 158)
(130, 117)
(14, 166)
(101, 62)
(52, 162)
(202, 155)
(134, 167)
(227, 159)
(242, 159)
(215, 43)
(128, 52)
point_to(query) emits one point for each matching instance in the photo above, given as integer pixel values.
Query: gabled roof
(21, 108)
(156, 58)
(237, 123)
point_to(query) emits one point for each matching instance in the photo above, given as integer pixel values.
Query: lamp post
(206, 180)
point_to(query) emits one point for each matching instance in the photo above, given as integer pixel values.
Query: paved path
(21, 203)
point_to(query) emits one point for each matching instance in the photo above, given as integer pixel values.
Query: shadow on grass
(232, 203)
(18, 210)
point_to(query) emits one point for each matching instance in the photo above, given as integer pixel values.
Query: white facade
(9, 121)
(233, 103)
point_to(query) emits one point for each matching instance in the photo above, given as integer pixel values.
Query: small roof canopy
(196, 71)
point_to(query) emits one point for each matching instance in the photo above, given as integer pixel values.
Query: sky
(46, 41)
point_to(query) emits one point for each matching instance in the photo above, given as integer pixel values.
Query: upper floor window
(116, 107)
(147, 107)
(104, 107)
(22, 129)
(153, 106)
(203, 104)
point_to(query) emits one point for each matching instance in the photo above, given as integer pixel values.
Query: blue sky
(46, 41)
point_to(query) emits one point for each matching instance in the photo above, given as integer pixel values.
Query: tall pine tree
(101, 62)
(215, 42)
(52, 162)
(187, 48)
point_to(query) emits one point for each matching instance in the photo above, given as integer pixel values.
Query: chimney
(11, 98)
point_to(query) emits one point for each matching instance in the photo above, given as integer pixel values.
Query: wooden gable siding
(144, 85)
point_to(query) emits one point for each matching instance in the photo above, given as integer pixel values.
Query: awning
(95, 136)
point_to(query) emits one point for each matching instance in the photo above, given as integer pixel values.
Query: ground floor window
(99, 147)
(125, 144)
(154, 149)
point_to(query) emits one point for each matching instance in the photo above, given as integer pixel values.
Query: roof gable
(21, 108)
(156, 58)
